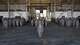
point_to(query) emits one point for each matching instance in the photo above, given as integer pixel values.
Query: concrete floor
(27, 35)
(57, 35)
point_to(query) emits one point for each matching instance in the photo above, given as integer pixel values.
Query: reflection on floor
(27, 35)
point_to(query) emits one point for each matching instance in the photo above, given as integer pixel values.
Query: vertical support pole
(29, 7)
(54, 7)
(51, 9)
(8, 8)
(26, 6)
(72, 8)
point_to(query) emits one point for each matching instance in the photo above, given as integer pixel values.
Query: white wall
(66, 14)
(76, 14)
(24, 14)
(4, 14)
(13, 14)
(59, 14)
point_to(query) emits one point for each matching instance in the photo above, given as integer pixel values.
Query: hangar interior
(39, 22)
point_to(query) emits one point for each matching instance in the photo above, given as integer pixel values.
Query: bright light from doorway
(37, 11)
(41, 14)
(44, 13)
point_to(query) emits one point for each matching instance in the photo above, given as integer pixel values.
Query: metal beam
(51, 9)
(16, 10)
(8, 8)
(13, 9)
(77, 1)
(65, 10)
(68, 8)
(30, 8)
(69, 1)
(40, 3)
(72, 8)
(38, 6)
(54, 7)
(26, 6)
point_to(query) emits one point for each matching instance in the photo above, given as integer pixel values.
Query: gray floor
(27, 35)
(57, 35)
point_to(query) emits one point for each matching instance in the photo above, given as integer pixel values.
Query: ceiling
(38, 3)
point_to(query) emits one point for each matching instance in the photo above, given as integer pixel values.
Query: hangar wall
(25, 14)
(13, 14)
(59, 14)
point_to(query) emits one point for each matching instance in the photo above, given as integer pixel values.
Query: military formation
(68, 22)
(12, 22)
(35, 22)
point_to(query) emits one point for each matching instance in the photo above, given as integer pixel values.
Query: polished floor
(27, 35)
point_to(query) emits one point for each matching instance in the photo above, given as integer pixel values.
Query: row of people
(12, 22)
(68, 22)
(34, 22)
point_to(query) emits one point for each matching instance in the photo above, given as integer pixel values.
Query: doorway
(41, 14)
